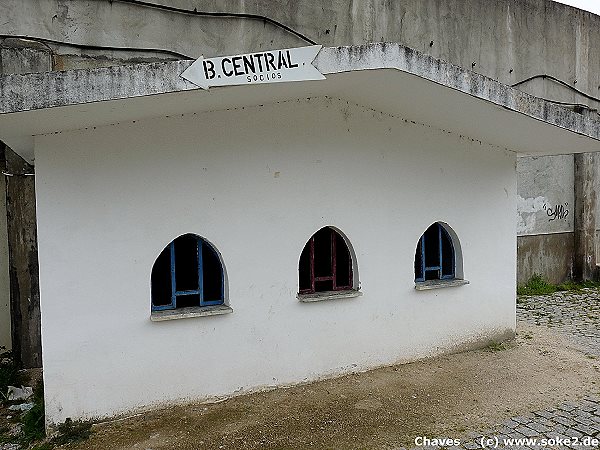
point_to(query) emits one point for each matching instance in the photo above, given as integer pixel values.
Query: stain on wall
(550, 255)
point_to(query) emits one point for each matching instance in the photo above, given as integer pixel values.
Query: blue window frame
(187, 273)
(434, 258)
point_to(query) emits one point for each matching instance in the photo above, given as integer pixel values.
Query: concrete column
(23, 259)
(18, 56)
(5, 327)
(584, 258)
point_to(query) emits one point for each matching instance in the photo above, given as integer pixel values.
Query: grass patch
(578, 286)
(9, 373)
(537, 285)
(590, 284)
(45, 446)
(497, 346)
(33, 421)
(33, 433)
(34, 427)
(569, 286)
(72, 432)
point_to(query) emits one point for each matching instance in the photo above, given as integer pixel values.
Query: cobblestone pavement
(569, 425)
(574, 313)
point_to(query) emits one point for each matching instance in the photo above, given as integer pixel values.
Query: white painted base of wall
(257, 183)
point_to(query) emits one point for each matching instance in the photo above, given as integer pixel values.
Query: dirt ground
(383, 409)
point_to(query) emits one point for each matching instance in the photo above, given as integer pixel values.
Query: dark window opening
(213, 275)
(325, 263)
(432, 275)
(434, 257)
(304, 270)
(343, 261)
(432, 246)
(185, 301)
(186, 263)
(161, 279)
(447, 259)
(419, 262)
(187, 273)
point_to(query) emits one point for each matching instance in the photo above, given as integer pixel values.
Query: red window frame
(333, 277)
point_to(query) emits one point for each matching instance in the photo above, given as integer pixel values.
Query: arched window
(325, 263)
(187, 273)
(435, 256)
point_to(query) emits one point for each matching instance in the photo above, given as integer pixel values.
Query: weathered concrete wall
(509, 40)
(545, 195)
(550, 255)
(19, 57)
(545, 216)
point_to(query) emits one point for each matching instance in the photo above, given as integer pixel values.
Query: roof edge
(29, 92)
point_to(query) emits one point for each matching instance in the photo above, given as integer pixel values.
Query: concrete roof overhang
(386, 77)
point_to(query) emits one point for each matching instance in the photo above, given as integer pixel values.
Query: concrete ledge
(27, 92)
(188, 313)
(438, 284)
(329, 295)
(395, 56)
(386, 77)
(72, 87)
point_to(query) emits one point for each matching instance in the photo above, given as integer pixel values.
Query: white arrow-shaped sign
(273, 66)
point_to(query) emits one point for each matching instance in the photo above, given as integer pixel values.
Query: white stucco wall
(5, 325)
(257, 183)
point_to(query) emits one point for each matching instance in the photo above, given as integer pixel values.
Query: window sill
(328, 295)
(438, 284)
(187, 313)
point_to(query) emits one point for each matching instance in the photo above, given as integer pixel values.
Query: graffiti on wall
(541, 214)
(559, 212)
